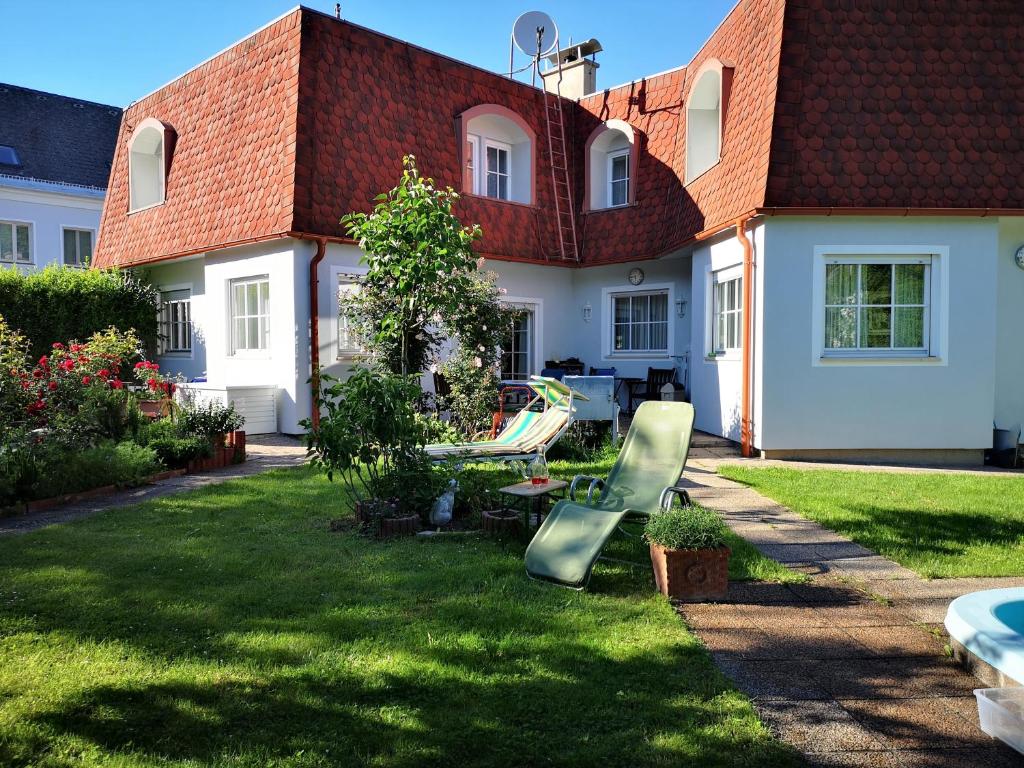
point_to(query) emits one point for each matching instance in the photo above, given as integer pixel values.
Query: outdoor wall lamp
(588, 312)
(680, 307)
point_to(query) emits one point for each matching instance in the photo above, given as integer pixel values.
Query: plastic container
(1001, 714)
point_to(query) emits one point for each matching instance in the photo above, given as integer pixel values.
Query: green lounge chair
(642, 482)
(527, 433)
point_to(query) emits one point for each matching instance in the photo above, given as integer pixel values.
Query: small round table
(535, 496)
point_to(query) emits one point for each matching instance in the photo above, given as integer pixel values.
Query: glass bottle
(539, 469)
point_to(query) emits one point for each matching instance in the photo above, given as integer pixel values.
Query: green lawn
(939, 525)
(230, 627)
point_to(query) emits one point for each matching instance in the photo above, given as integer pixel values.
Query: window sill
(636, 356)
(611, 208)
(255, 354)
(728, 357)
(840, 360)
(179, 354)
(704, 172)
(489, 199)
(145, 207)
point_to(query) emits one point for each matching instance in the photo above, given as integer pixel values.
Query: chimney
(578, 73)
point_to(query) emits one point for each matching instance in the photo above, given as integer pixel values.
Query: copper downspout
(314, 325)
(748, 300)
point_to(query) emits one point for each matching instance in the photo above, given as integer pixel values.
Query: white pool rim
(971, 621)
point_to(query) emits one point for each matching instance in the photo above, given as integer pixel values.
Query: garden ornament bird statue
(441, 513)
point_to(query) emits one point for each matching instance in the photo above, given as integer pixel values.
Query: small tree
(420, 259)
(472, 370)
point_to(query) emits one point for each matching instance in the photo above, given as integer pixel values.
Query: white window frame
(608, 296)
(536, 307)
(352, 279)
(474, 162)
(183, 354)
(612, 157)
(149, 124)
(14, 224)
(234, 349)
(719, 277)
(531, 333)
(486, 170)
(937, 302)
(76, 230)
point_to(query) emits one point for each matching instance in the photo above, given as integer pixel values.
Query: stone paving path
(849, 668)
(263, 453)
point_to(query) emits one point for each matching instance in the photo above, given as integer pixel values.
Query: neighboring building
(55, 155)
(813, 221)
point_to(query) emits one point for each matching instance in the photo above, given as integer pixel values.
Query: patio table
(534, 496)
(631, 383)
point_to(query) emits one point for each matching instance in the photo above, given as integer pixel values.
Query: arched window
(611, 153)
(148, 154)
(498, 154)
(704, 122)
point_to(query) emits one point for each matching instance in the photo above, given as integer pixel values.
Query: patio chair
(642, 482)
(553, 373)
(529, 431)
(656, 379)
(602, 371)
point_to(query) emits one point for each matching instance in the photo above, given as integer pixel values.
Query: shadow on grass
(229, 626)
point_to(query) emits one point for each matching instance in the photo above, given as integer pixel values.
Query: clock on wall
(1019, 257)
(636, 275)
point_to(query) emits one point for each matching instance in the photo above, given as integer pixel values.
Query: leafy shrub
(177, 452)
(159, 429)
(688, 527)
(62, 303)
(209, 419)
(584, 441)
(36, 470)
(435, 430)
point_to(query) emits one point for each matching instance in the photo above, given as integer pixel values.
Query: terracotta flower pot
(219, 440)
(499, 522)
(237, 439)
(691, 574)
(150, 408)
(390, 527)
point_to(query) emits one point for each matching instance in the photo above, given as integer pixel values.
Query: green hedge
(59, 304)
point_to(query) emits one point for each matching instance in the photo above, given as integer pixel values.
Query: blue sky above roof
(114, 51)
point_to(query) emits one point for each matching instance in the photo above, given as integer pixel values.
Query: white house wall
(935, 403)
(178, 275)
(717, 381)
(47, 213)
(285, 363)
(1009, 327)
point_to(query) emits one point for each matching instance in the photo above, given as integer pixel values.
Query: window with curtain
(77, 247)
(618, 177)
(250, 314)
(497, 170)
(14, 242)
(516, 346)
(877, 306)
(348, 341)
(727, 308)
(176, 321)
(640, 322)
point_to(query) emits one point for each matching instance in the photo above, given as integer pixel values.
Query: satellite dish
(535, 34)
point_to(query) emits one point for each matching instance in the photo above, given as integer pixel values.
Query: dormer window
(611, 166)
(148, 155)
(705, 109)
(498, 154)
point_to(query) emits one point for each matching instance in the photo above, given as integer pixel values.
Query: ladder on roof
(565, 212)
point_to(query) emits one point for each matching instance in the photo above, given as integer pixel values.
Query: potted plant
(155, 391)
(688, 553)
(211, 420)
(369, 438)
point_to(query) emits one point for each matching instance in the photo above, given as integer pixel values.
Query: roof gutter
(747, 356)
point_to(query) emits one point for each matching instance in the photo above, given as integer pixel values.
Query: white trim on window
(249, 325)
(177, 343)
(487, 172)
(333, 321)
(536, 307)
(934, 349)
(147, 165)
(725, 322)
(624, 181)
(79, 231)
(473, 163)
(608, 296)
(15, 225)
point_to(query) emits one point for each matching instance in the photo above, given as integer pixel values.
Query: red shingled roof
(832, 104)
(915, 104)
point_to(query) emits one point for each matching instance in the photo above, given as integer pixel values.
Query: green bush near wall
(59, 303)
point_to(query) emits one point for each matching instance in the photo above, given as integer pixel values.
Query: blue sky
(114, 51)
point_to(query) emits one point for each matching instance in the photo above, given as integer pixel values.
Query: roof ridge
(74, 99)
